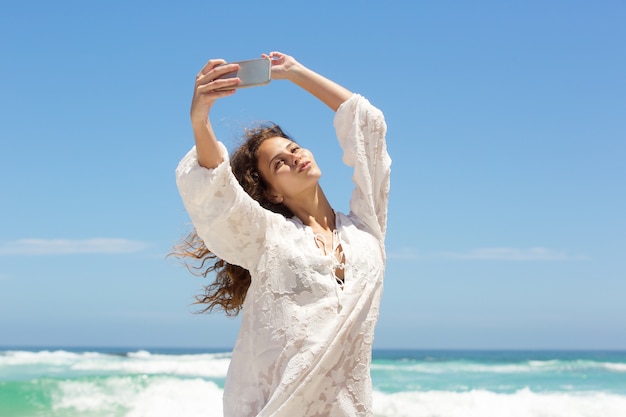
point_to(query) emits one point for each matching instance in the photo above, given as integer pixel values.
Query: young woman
(307, 279)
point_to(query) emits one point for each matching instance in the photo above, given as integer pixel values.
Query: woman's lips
(304, 166)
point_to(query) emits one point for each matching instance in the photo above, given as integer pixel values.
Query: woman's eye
(278, 164)
(295, 148)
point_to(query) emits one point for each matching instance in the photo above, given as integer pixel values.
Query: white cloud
(70, 247)
(490, 254)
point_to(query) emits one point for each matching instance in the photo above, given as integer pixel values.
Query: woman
(308, 279)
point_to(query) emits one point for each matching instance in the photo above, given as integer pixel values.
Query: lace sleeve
(361, 131)
(231, 224)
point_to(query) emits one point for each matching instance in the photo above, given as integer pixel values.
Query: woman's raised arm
(328, 91)
(204, 96)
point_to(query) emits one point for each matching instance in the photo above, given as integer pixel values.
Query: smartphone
(251, 73)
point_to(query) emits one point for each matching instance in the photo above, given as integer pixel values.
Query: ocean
(110, 382)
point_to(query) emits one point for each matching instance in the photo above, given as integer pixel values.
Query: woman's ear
(276, 199)
(273, 196)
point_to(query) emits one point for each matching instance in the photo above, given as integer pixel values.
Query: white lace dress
(304, 347)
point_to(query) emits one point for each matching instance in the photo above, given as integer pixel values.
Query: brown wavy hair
(228, 291)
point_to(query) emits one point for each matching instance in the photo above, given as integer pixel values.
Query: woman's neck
(314, 211)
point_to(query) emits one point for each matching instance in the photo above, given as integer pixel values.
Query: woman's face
(288, 169)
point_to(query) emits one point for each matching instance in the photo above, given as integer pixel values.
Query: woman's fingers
(212, 63)
(209, 87)
(212, 76)
(215, 69)
(208, 81)
(276, 55)
(215, 86)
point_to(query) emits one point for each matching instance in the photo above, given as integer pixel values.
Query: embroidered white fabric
(304, 347)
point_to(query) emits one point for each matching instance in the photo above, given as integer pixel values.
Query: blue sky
(506, 126)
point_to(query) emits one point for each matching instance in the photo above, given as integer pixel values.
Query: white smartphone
(251, 73)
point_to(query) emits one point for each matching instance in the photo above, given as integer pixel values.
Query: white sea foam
(149, 384)
(141, 362)
(616, 367)
(187, 398)
(479, 403)
(505, 368)
(168, 396)
(205, 365)
(447, 367)
(128, 397)
(106, 395)
(216, 364)
(44, 357)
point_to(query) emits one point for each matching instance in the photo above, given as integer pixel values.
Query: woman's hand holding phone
(219, 78)
(281, 64)
(251, 73)
(209, 87)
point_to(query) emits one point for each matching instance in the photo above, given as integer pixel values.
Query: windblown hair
(231, 284)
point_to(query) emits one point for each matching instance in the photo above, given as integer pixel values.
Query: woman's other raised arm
(328, 91)
(204, 96)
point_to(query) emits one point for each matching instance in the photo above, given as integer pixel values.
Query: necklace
(335, 254)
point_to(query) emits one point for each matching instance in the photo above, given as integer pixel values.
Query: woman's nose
(295, 159)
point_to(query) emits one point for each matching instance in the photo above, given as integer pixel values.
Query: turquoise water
(131, 383)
